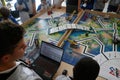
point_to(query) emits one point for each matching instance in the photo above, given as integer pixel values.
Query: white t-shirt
(30, 6)
(22, 72)
(7, 71)
(24, 16)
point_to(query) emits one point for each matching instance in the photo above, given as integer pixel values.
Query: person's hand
(27, 61)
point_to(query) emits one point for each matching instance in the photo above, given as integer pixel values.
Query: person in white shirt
(23, 9)
(12, 48)
(32, 7)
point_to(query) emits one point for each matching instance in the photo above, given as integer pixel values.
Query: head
(12, 45)
(86, 69)
(5, 12)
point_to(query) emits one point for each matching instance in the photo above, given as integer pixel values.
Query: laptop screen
(51, 51)
(48, 62)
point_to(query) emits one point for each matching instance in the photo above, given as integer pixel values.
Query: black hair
(86, 69)
(10, 35)
(5, 12)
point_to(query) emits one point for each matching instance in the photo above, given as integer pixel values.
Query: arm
(79, 2)
(118, 10)
(34, 7)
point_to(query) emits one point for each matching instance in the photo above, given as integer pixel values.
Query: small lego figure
(63, 76)
(73, 44)
(36, 43)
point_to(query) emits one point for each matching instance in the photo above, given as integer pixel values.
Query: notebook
(47, 64)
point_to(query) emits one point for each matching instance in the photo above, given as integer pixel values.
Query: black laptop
(47, 64)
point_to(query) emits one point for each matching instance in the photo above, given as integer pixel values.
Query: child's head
(12, 45)
(86, 69)
(5, 12)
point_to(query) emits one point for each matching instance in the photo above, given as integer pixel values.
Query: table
(98, 38)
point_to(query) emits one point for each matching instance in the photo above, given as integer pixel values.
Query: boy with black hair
(86, 69)
(12, 48)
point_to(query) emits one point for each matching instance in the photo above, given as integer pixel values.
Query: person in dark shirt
(86, 69)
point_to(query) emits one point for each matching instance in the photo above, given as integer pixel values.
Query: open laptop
(49, 60)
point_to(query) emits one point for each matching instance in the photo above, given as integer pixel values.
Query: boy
(12, 47)
(86, 69)
(23, 9)
(30, 4)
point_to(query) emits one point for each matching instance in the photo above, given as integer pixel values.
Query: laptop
(47, 64)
